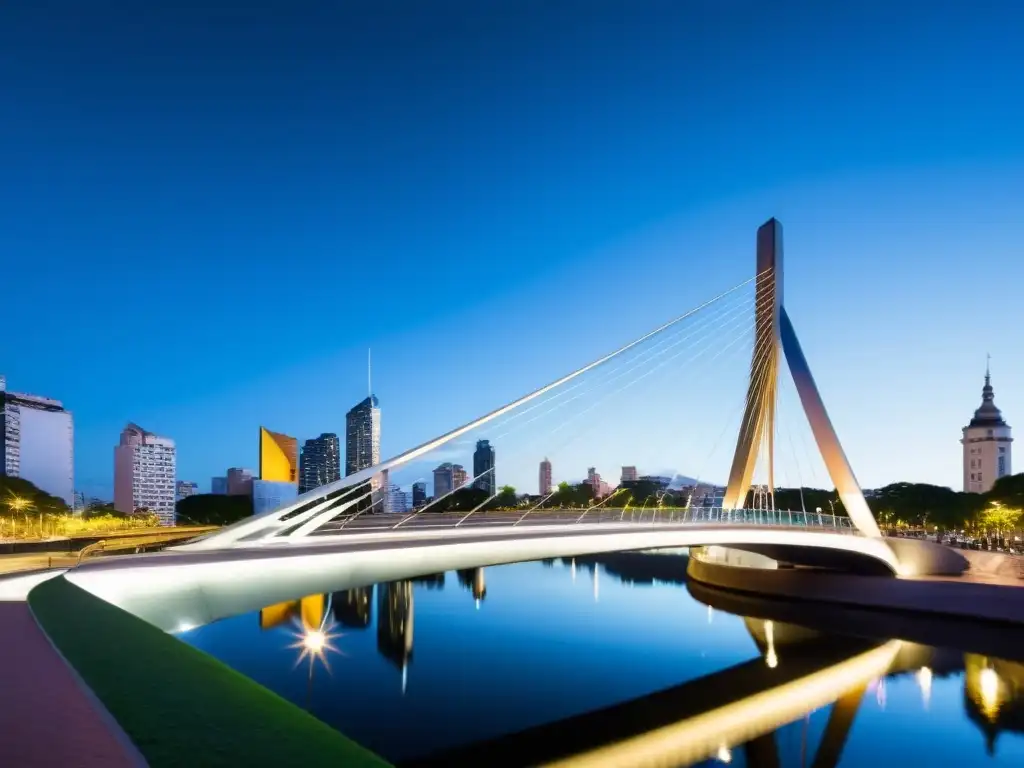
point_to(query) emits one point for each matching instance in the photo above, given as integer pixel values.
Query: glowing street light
(18, 504)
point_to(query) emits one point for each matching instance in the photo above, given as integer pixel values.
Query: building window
(1002, 449)
(990, 433)
(972, 475)
(1002, 466)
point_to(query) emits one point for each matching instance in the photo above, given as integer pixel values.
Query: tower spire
(988, 366)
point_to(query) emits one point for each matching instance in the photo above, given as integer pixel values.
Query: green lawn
(179, 705)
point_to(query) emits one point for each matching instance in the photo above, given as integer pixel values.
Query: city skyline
(278, 443)
(866, 177)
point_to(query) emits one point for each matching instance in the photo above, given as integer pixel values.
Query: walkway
(993, 568)
(46, 718)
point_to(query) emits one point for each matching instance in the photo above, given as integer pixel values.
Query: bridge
(328, 535)
(336, 509)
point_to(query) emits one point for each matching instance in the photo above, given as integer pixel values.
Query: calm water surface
(418, 670)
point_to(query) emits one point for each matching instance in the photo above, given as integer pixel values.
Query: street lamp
(19, 504)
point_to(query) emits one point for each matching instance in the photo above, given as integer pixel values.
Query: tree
(808, 500)
(97, 508)
(1008, 490)
(17, 495)
(213, 509)
(922, 504)
(999, 517)
(506, 498)
(640, 491)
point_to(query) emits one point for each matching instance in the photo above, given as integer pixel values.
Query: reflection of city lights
(478, 604)
(711, 614)
(572, 569)
(314, 643)
(597, 591)
(988, 682)
(924, 680)
(771, 658)
(880, 693)
(724, 755)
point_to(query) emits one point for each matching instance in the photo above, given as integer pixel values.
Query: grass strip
(181, 706)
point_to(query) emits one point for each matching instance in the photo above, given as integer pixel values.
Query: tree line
(898, 505)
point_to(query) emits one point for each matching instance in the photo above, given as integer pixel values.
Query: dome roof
(988, 414)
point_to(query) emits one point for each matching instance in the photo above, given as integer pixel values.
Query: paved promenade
(46, 718)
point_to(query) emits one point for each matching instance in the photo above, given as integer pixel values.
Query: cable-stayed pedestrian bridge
(748, 320)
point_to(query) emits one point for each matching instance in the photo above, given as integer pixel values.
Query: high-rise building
(37, 442)
(459, 476)
(219, 486)
(629, 475)
(362, 436)
(279, 472)
(444, 480)
(545, 477)
(320, 462)
(279, 457)
(183, 489)
(144, 469)
(419, 494)
(987, 442)
(268, 495)
(398, 500)
(239, 482)
(483, 467)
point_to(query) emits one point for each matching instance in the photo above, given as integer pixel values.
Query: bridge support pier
(774, 334)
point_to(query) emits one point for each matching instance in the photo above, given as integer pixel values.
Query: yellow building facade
(279, 457)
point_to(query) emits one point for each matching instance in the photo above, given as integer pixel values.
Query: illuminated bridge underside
(170, 589)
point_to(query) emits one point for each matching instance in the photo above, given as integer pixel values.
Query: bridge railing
(566, 517)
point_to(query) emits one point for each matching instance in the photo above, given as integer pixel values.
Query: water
(419, 670)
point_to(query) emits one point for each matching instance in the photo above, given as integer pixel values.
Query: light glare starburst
(314, 643)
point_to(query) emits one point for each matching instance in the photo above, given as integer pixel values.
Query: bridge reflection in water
(738, 712)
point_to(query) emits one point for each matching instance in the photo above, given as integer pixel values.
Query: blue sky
(209, 215)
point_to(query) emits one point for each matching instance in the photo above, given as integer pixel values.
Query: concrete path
(46, 717)
(994, 568)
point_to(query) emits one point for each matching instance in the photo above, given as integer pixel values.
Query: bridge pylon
(774, 340)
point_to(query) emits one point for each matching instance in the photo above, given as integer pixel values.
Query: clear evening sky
(209, 215)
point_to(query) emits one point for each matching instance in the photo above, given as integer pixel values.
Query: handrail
(88, 549)
(669, 516)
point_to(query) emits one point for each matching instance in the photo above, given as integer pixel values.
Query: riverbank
(178, 705)
(975, 595)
